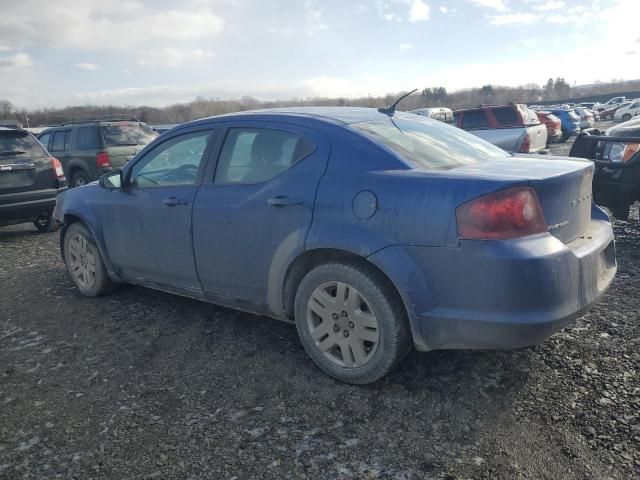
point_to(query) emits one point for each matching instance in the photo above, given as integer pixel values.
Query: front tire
(84, 262)
(626, 117)
(45, 223)
(351, 322)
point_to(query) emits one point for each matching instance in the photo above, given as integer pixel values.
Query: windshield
(19, 142)
(127, 133)
(428, 143)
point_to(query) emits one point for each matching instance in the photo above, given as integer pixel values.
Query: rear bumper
(27, 205)
(500, 294)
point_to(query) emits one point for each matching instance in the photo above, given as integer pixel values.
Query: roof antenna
(392, 109)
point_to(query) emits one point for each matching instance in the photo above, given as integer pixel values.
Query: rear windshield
(506, 116)
(127, 133)
(19, 142)
(573, 116)
(428, 143)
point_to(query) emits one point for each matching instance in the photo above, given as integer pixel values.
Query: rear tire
(79, 178)
(621, 212)
(46, 223)
(84, 262)
(351, 322)
(564, 137)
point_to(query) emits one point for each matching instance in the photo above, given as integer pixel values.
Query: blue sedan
(374, 231)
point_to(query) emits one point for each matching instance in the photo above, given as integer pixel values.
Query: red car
(553, 124)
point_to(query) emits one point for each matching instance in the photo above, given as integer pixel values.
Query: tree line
(554, 89)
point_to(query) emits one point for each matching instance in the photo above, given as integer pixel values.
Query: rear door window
(255, 155)
(475, 119)
(87, 138)
(506, 117)
(60, 141)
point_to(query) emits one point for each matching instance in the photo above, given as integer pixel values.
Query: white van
(437, 113)
(628, 112)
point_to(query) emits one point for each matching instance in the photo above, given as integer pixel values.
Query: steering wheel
(186, 172)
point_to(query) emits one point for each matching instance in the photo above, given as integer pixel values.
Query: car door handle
(282, 201)
(173, 201)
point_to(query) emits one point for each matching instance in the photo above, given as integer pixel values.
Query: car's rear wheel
(46, 223)
(626, 117)
(84, 262)
(621, 212)
(351, 322)
(79, 178)
(564, 137)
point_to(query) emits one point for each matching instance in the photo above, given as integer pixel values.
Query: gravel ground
(143, 384)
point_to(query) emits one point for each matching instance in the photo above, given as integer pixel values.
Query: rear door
(253, 217)
(24, 163)
(60, 148)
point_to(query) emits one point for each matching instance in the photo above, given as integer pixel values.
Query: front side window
(255, 155)
(429, 144)
(173, 163)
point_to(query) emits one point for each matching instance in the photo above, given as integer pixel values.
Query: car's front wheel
(626, 117)
(46, 223)
(84, 262)
(621, 211)
(351, 322)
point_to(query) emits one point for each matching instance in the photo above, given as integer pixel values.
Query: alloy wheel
(82, 261)
(342, 324)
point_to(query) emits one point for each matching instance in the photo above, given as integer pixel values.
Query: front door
(151, 239)
(255, 214)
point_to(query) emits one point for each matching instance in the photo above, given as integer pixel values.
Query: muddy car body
(373, 232)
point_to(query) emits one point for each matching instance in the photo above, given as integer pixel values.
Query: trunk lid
(563, 186)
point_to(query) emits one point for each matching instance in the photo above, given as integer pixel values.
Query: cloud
(87, 67)
(405, 46)
(550, 5)
(513, 19)
(4, 48)
(173, 57)
(19, 60)
(418, 11)
(91, 25)
(498, 5)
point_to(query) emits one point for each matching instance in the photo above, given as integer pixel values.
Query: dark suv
(91, 148)
(30, 179)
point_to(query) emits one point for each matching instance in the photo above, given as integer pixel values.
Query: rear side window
(255, 155)
(506, 117)
(123, 134)
(428, 143)
(475, 119)
(19, 142)
(87, 138)
(60, 141)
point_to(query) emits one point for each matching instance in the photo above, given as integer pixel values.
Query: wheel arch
(310, 259)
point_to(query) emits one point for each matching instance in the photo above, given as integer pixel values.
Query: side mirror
(111, 180)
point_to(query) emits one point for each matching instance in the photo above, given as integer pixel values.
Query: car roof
(335, 115)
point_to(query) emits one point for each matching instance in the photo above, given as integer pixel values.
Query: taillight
(102, 160)
(511, 213)
(57, 166)
(526, 144)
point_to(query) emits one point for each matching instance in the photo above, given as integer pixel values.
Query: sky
(158, 52)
